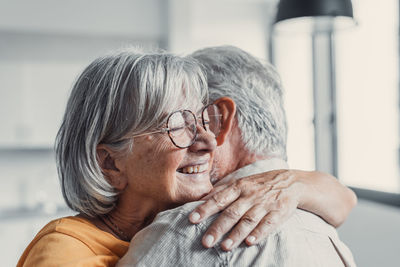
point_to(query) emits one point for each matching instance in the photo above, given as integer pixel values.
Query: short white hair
(256, 88)
(125, 93)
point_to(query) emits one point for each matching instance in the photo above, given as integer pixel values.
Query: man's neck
(261, 165)
(242, 156)
(248, 159)
(232, 155)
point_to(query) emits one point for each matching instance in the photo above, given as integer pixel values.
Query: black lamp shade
(289, 9)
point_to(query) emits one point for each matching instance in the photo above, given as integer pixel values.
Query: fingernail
(251, 239)
(209, 240)
(227, 243)
(195, 216)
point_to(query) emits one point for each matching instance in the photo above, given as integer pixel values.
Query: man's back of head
(256, 89)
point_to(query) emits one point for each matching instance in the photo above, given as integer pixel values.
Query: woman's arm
(255, 205)
(326, 197)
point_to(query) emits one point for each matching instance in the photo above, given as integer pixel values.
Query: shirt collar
(259, 166)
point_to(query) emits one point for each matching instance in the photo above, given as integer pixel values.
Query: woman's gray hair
(125, 93)
(256, 89)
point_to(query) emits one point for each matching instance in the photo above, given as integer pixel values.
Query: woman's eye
(177, 128)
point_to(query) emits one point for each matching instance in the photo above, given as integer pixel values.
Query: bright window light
(367, 73)
(293, 59)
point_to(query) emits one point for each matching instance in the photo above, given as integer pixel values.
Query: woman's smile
(194, 168)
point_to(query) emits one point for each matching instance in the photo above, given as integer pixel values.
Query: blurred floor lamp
(320, 19)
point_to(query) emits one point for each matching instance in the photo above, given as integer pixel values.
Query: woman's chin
(192, 187)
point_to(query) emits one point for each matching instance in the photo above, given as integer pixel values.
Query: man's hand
(256, 204)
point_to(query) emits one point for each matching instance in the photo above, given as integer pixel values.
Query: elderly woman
(135, 140)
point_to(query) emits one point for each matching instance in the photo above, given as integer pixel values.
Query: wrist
(304, 189)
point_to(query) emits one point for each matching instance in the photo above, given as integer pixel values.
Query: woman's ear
(107, 162)
(227, 108)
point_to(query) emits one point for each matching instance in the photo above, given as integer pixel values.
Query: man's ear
(227, 108)
(107, 161)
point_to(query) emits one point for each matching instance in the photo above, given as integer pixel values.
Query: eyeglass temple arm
(162, 130)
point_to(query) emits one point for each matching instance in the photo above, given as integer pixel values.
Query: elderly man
(252, 140)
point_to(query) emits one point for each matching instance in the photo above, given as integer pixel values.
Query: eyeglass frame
(167, 130)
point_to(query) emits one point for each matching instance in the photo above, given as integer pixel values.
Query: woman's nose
(205, 141)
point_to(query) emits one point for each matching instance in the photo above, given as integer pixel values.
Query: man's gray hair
(125, 93)
(256, 89)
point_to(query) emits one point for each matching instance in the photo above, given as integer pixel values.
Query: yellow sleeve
(58, 249)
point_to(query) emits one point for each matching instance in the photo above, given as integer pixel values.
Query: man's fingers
(214, 191)
(224, 223)
(247, 223)
(267, 224)
(215, 204)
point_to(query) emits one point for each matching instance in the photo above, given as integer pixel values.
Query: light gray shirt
(171, 240)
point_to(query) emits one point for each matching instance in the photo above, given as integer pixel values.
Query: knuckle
(291, 176)
(288, 172)
(285, 174)
(257, 232)
(249, 220)
(238, 233)
(239, 182)
(231, 184)
(268, 199)
(219, 200)
(235, 187)
(216, 230)
(247, 188)
(232, 213)
(270, 221)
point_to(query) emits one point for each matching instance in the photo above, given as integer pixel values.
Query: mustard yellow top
(73, 241)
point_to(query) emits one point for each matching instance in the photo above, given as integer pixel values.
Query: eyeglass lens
(182, 125)
(182, 128)
(212, 119)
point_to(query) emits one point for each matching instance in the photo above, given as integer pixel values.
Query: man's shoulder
(306, 221)
(171, 240)
(306, 232)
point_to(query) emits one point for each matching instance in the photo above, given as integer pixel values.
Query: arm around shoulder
(170, 240)
(325, 196)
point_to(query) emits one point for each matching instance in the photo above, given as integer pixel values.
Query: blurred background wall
(44, 44)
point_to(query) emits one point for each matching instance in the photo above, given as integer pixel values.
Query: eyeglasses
(182, 125)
